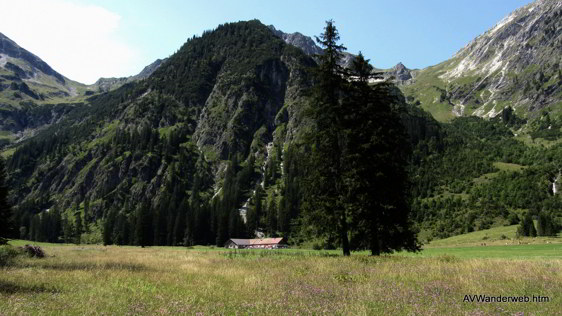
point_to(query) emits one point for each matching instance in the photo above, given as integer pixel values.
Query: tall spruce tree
(376, 158)
(78, 228)
(325, 205)
(143, 228)
(527, 226)
(546, 225)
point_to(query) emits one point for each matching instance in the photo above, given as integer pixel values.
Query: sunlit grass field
(98, 280)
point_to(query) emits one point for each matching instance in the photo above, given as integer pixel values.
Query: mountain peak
(305, 43)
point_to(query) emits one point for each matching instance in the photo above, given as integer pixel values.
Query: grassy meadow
(113, 280)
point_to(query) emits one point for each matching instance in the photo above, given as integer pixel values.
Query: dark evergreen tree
(78, 228)
(291, 197)
(527, 226)
(254, 211)
(87, 214)
(35, 228)
(68, 230)
(356, 177)
(190, 224)
(222, 217)
(6, 221)
(121, 232)
(377, 153)
(324, 205)
(109, 228)
(143, 228)
(272, 216)
(160, 224)
(546, 225)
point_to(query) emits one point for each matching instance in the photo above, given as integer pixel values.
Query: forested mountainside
(161, 145)
(516, 63)
(211, 145)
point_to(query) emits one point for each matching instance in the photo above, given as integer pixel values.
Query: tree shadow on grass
(75, 266)
(13, 288)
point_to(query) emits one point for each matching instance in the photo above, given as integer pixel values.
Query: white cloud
(79, 41)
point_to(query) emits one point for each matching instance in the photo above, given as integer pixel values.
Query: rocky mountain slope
(305, 43)
(108, 84)
(516, 63)
(30, 92)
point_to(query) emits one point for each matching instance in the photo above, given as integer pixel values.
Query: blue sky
(118, 38)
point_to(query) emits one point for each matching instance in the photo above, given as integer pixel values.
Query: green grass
(424, 90)
(7, 153)
(537, 142)
(510, 251)
(7, 135)
(502, 166)
(512, 167)
(96, 280)
(478, 237)
(502, 235)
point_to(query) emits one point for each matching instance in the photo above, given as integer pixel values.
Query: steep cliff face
(305, 43)
(516, 63)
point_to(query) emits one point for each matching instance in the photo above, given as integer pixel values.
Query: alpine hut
(261, 243)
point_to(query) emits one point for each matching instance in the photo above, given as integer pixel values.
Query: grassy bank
(94, 280)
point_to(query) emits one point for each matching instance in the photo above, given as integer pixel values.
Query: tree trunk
(375, 242)
(344, 239)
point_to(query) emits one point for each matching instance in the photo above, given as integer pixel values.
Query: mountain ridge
(512, 64)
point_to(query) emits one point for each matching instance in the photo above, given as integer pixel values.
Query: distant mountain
(30, 92)
(10, 50)
(107, 84)
(400, 73)
(34, 95)
(305, 43)
(516, 63)
(24, 76)
(218, 127)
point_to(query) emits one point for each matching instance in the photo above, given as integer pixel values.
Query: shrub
(8, 254)
(33, 251)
